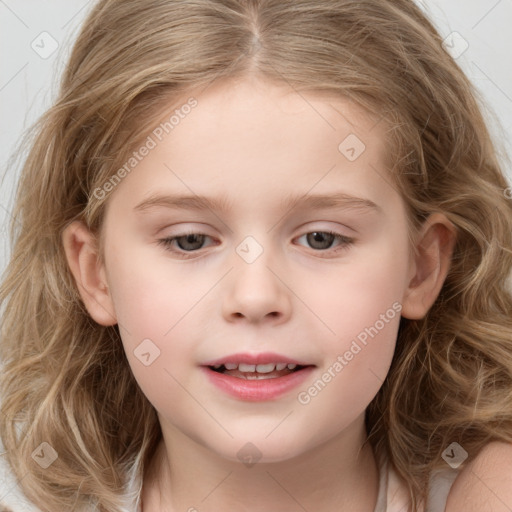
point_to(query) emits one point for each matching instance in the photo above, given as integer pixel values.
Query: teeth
(260, 368)
(246, 367)
(260, 377)
(265, 368)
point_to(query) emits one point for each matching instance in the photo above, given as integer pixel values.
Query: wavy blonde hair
(66, 380)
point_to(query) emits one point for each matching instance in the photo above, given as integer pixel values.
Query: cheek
(151, 306)
(354, 369)
(362, 310)
(358, 293)
(155, 312)
(149, 292)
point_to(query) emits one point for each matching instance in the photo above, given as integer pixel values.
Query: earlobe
(82, 256)
(433, 253)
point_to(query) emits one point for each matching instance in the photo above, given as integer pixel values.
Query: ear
(431, 262)
(82, 255)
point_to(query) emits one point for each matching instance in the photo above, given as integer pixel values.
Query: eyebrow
(222, 203)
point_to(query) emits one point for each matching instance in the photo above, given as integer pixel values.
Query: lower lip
(257, 390)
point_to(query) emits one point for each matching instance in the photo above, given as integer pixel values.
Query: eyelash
(168, 242)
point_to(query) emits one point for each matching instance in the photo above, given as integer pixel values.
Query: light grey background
(29, 73)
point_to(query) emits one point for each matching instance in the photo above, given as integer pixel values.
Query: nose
(256, 292)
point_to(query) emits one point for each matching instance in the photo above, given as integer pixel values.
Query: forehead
(257, 107)
(253, 137)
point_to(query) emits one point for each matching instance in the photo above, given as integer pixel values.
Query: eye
(322, 240)
(187, 242)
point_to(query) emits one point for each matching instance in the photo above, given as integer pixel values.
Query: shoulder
(485, 484)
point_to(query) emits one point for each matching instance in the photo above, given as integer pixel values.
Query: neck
(340, 474)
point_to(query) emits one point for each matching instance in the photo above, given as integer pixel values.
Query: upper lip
(261, 358)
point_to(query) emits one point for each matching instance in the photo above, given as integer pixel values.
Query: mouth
(257, 371)
(257, 377)
(258, 383)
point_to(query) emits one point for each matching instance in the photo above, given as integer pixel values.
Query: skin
(484, 483)
(256, 143)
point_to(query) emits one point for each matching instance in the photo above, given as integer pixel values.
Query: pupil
(318, 236)
(189, 239)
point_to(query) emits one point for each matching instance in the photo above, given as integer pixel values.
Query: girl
(260, 262)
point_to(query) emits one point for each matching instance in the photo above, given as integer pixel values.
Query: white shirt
(393, 496)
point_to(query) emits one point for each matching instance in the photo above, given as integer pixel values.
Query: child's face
(319, 300)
